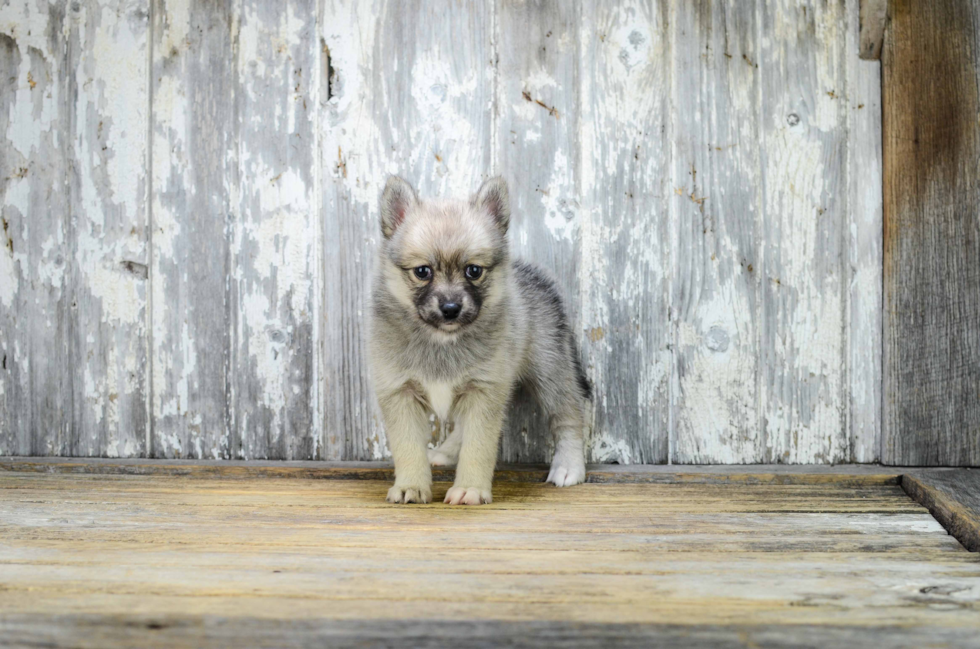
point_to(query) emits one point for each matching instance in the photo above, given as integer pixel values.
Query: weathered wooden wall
(931, 84)
(189, 189)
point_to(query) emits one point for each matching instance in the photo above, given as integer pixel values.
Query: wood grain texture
(275, 244)
(407, 89)
(194, 209)
(35, 242)
(623, 179)
(149, 630)
(716, 202)
(126, 548)
(931, 142)
(108, 269)
(953, 497)
(803, 120)
(864, 249)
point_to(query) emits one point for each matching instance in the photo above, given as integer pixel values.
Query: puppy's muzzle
(450, 310)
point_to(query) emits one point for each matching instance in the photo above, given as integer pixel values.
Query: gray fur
(514, 331)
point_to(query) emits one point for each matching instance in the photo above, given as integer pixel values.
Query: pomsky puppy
(455, 326)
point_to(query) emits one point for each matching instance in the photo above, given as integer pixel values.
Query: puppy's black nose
(450, 310)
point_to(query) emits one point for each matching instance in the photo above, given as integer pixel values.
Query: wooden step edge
(952, 496)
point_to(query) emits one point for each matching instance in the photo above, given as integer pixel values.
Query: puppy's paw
(468, 496)
(400, 494)
(567, 469)
(438, 458)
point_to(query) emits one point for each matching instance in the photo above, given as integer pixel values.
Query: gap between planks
(749, 474)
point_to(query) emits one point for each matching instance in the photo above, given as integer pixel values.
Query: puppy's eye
(423, 272)
(473, 271)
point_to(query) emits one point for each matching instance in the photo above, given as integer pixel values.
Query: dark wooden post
(931, 148)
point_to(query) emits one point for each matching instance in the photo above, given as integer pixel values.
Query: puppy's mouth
(447, 326)
(452, 327)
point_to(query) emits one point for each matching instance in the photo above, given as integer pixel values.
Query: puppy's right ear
(495, 200)
(396, 200)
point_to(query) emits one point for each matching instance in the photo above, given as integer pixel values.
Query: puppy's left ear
(493, 198)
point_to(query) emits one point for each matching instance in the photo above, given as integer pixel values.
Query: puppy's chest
(440, 395)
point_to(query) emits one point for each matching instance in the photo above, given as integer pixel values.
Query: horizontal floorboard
(116, 560)
(149, 630)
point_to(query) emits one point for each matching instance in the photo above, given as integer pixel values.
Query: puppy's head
(444, 262)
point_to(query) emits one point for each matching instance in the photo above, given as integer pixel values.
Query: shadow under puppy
(455, 326)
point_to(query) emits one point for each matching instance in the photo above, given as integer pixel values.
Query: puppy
(455, 326)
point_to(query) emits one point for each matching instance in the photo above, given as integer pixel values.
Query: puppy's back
(553, 348)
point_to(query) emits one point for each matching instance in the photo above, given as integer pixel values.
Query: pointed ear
(397, 199)
(495, 200)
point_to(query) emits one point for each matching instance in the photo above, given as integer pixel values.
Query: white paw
(399, 494)
(567, 470)
(438, 458)
(468, 496)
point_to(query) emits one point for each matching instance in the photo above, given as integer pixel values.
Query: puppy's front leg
(480, 412)
(407, 428)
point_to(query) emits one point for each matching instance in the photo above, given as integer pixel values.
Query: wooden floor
(154, 560)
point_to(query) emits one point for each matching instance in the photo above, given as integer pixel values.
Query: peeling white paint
(719, 418)
(31, 42)
(177, 21)
(122, 86)
(600, 167)
(560, 203)
(607, 448)
(10, 273)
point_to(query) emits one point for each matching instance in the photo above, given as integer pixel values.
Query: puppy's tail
(583, 382)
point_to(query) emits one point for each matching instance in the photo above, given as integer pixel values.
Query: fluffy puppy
(455, 326)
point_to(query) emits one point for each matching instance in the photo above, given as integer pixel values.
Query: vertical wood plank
(623, 176)
(274, 246)
(931, 145)
(872, 19)
(535, 148)
(35, 238)
(107, 93)
(14, 384)
(405, 88)
(864, 245)
(193, 211)
(803, 121)
(717, 204)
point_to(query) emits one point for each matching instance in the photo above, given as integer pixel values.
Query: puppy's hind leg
(568, 463)
(447, 453)
(569, 412)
